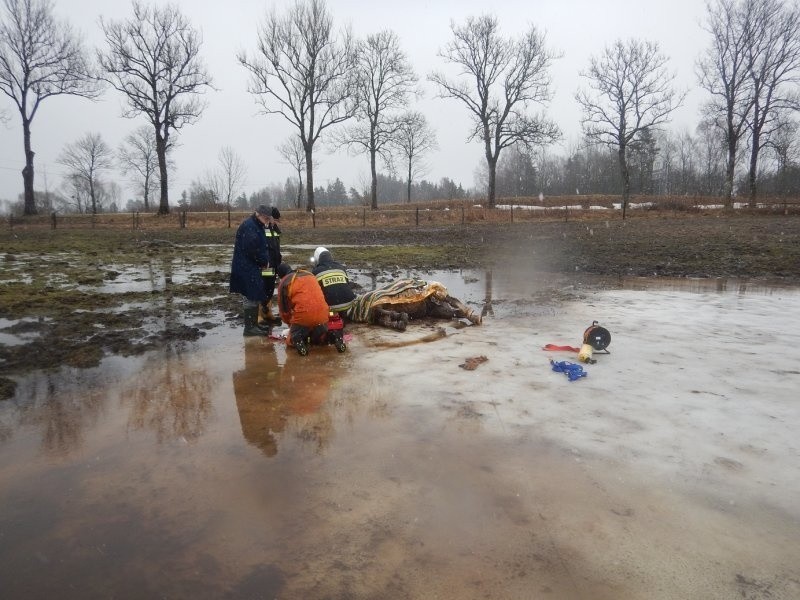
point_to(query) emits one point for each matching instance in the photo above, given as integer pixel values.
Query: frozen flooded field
(232, 468)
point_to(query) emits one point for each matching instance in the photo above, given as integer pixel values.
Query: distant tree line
(358, 94)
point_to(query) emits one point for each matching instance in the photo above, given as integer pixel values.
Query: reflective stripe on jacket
(335, 285)
(249, 257)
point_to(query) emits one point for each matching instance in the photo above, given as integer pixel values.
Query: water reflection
(278, 392)
(487, 300)
(61, 406)
(175, 401)
(700, 286)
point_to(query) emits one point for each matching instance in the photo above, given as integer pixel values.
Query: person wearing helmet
(333, 280)
(302, 305)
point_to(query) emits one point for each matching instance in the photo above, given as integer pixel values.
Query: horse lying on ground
(395, 304)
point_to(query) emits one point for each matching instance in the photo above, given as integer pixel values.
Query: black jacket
(273, 233)
(334, 282)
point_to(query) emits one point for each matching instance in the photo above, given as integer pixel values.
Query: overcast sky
(577, 29)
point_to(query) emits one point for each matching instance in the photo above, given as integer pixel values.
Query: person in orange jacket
(302, 305)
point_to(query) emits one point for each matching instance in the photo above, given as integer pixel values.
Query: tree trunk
(753, 173)
(626, 179)
(490, 194)
(299, 187)
(91, 195)
(491, 161)
(309, 180)
(27, 172)
(408, 184)
(161, 153)
(730, 167)
(147, 189)
(374, 186)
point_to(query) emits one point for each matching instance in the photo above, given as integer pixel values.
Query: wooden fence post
(417, 215)
(363, 217)
(53, 220)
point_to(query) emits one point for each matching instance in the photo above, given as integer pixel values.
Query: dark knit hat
(276, 214)
(283, 270)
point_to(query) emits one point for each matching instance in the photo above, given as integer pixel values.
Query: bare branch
(630, 95)
(499, 79)
(304, 72)
(414, 139)
(153, 58)
(86, 159)
(40, 57)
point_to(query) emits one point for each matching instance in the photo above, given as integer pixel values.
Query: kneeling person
(333, 280)
(302, 305)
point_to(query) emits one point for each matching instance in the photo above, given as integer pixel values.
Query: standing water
(234, 468)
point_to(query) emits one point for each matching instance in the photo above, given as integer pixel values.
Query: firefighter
(266, 318)
(302, 305)
(333, 280)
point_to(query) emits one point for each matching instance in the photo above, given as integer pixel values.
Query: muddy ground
(191, 462)
(57, 305)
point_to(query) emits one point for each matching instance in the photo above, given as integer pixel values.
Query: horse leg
(389, 318)
(441, 310)
(463, 311)
(399, 316)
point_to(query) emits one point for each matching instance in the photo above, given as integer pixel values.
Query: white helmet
(314, 259)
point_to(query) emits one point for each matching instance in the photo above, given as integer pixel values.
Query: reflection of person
(273, 235)
(259, 419)
(302, 305)
(250, 256)
(269, 394)
(333, 280)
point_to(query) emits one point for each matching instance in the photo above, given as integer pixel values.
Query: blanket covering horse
(402, 291)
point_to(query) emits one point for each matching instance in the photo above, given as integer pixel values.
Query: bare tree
(86, 159)
(414, 139)
(774, 70)
(502, 78)
(712, 149)
(153, 58)
(295, 156)
(138, 159)
(723, 73)
(232, 173)
(40, 57)
(303, 71)
(631, 95)
(385, 80)
(784, 147)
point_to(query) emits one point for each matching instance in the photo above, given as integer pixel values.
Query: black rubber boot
(301, 347)
(251, 327)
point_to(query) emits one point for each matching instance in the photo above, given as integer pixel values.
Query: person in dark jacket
(303, 307)
(333, 280)
(250, 256)
(273, 233)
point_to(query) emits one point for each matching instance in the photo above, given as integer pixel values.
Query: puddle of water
(233, 468)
